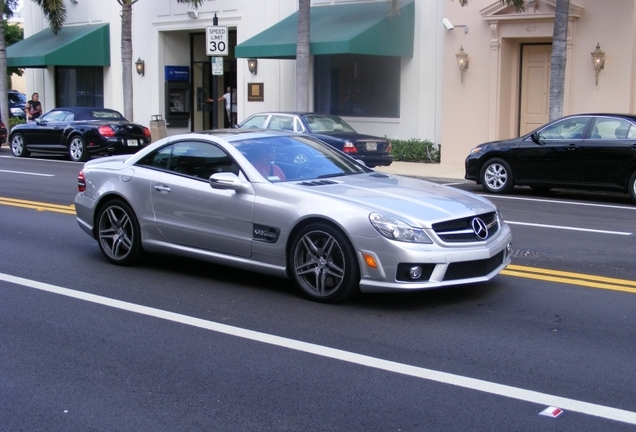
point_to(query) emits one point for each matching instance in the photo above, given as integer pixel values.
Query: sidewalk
(417, 169)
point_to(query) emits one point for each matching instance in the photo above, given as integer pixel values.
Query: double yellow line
(578, 279)
(39, 206)
(557, 276)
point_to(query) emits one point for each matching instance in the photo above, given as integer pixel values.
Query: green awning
(362, 28)
(87, 45)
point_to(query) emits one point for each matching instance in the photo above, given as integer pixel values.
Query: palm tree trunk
(559, 57)
(302, 57)
(4, 101)
(126, 56)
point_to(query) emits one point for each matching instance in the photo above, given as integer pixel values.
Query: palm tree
(126, 56)
(302, 56)
(7, 9)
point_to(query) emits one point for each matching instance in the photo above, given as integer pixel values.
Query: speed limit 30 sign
(217, 41)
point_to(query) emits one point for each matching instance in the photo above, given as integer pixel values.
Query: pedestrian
(33, 108)
(227, 97)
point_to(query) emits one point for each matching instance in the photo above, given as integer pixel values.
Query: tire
(18, 148)
(323, 264)
(631, 187)
(77, 151)
(496, 176)
(118, 233)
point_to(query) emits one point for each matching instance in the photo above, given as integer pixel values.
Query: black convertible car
(79, 132)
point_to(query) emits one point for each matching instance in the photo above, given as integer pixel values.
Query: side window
(192, 159)
(55, 116)
(281, 122)
(256, 122)
(611, 129)
(570, 128)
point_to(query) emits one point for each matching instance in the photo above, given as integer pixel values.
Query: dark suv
(17, 101)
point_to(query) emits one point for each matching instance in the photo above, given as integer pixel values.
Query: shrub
(15, 121)
(415, 150)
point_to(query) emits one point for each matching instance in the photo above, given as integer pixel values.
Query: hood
(109, 162)
(417, 202)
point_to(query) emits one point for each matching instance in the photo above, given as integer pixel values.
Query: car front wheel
(18, 148)
(77, 149)
(323, 264)
(118, 233)
(497, 177)
(631, 185)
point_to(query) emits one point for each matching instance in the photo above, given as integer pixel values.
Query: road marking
(489, 196)
(39, 206)
(28, 173)
(569, 228)
(531, 396)
(579, 279)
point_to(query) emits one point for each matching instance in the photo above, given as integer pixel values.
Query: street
(174, 344)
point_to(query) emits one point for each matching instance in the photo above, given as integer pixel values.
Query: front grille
(473, 269)
(461, 230)
(403, 272)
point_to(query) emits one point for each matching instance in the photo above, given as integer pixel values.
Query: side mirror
(536, 138)
(226, 180)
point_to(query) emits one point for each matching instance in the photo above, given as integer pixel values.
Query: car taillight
(388, 148)
(81, 181)
(106, 131)
(146, 133)
(349, 147)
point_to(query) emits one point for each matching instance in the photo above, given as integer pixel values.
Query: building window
(357, 85)
(79, 86)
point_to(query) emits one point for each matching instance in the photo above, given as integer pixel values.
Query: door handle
(162, 188)
(572, 147)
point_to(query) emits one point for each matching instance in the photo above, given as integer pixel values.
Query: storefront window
(79, 86)
(357, 85)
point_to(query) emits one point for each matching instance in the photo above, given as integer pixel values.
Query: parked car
(79, 132)
(585, 151)
(333, 130)
(3, 132)
(17, 102)
(289, 205)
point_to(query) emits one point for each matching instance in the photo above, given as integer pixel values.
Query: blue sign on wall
(177, 73)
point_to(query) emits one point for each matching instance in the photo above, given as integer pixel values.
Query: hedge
(415, 150)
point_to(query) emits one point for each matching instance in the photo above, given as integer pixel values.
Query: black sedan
(583, 151)
(371, 150)
(79, 132)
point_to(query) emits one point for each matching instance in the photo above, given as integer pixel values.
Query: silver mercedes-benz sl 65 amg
(289, 205)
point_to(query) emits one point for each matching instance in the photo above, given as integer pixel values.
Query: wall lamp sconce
(140, 66)
(193, 14)
(598, 60)
(252, 65)
(462, 61)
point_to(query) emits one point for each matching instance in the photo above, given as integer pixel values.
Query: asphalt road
(174, 344)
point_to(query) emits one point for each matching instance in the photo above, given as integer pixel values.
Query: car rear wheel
(77, 149)
(497, 177)
(118, 233)
(631, 186)
(18, 148)
(323, 264)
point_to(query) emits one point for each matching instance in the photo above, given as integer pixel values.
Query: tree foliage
(55, 13)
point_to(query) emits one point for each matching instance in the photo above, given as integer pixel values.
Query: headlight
(476, 150)
(394, 229)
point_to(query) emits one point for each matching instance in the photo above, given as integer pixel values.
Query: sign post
(217, 45)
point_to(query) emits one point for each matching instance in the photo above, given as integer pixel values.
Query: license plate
(132, 143)
(372, 146)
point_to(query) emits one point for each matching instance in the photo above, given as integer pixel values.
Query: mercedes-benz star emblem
(480, 228)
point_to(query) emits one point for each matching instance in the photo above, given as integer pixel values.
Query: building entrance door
(535, 86)
(201, 82)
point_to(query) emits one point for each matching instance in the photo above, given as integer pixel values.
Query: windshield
(320, 123)
(290, 158)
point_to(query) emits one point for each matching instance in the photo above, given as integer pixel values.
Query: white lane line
(568, 228)
(28, 173)
(489, 196)
(350, 357)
